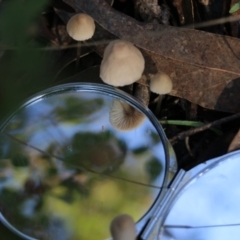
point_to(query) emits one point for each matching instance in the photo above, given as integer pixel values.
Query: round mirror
(75, 156)
(207, 206)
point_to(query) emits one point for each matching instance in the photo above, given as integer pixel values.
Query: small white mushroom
(122, 64)
(81, 27)
(123, 228)
(160, 83)
(124, 117)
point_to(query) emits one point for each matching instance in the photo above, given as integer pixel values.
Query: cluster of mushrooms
(122, 64)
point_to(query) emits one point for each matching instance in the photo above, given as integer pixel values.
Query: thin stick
(159, 104)
(78, 56)
(190, 132)
(90, 44)
(83, 168)
(209, 226)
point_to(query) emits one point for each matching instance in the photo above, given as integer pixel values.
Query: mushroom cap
(161, 83)
(81, 27)
(124, 117)
(122, 64)
(123, 228)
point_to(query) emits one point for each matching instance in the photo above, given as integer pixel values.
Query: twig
(151, 34)
(190, 132)
(188, 146)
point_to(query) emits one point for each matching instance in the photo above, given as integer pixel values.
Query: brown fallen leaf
(204, 66)
(235, 144)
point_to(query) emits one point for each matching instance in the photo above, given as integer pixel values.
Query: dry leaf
(204, 66)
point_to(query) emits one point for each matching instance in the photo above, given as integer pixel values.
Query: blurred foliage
(235, 8)
(78, 193)
(23, 69)
(14, 199)
(155, 137)
(101, 152)
(13, 151)
(153, 168)
(16, 19)
(77, 110)
(20, 160)
(17, 124)
(52, 196)
(140, 150)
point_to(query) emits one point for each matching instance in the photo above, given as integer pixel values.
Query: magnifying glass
(75, 156)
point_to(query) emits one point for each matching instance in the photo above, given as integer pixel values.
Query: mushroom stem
(141, 90)
(80, 27)
(78, 56)
(159, 104)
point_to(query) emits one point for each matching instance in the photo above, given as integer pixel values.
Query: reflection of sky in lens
(212, 199)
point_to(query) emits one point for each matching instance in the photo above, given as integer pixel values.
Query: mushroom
(123, 228)
(160, 83)
(80, 27)
(124, 117)
(122, 64)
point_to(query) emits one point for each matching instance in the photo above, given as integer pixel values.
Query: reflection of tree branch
(26, 144)
(53, 122)
(82, 168)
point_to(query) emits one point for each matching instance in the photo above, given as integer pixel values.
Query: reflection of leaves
(153, 168)
(52, 171)
(98, 151)
(140, 150)
(33, 187)
(76, 109)
(155, 137)
(17, 123)
(67, 197)
(20, 160)
(12, 150)
(13, 208)
(71, 188)
(12, 198)
(39, 206)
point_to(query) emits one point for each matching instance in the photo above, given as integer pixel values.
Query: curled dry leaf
(204, 67)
